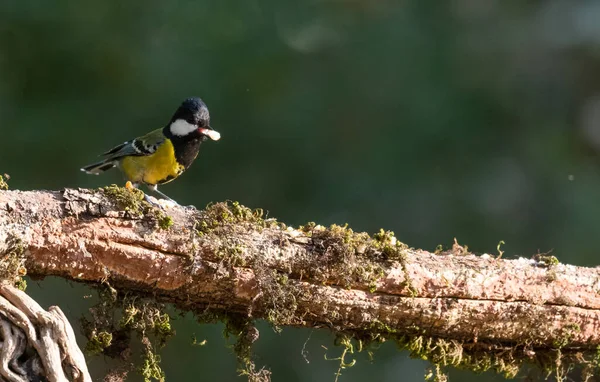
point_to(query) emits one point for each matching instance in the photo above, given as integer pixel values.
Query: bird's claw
(163, 204)
(153, 201)
(167, 203)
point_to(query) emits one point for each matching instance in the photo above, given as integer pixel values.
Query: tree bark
(227, 257)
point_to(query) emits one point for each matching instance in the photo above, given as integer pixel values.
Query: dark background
(475, 119)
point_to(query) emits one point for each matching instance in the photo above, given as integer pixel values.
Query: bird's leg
(153, 201)
(155, 189)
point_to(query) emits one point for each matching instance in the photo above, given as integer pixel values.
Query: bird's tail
(99, 167)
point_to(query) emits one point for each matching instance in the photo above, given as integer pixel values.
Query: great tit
(163, 154)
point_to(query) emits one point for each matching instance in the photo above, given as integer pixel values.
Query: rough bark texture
(228, 257)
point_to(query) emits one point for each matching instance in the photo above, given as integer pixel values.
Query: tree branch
(228, 257)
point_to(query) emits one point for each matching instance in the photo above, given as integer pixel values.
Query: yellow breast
(157, 168)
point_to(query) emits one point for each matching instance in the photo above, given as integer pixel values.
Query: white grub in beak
(212, 134)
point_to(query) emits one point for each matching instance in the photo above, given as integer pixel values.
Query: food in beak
(212, 134)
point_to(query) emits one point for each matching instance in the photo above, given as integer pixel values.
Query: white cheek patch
(182, 127)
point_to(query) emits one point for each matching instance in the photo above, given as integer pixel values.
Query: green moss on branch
(3, 182)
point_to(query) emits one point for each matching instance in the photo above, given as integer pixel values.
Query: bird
(161, 155)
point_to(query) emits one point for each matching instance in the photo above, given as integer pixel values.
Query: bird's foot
(168, 203)
(152, 200)
(163, 204)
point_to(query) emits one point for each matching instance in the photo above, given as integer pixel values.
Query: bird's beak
(209, 132)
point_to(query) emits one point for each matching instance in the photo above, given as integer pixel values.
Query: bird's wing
(141, 146)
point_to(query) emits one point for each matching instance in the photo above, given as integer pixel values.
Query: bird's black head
(190, 119)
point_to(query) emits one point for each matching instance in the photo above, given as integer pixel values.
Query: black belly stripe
(167, 179)
(186, 150)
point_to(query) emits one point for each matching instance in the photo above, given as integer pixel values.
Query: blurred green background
(475, 119)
